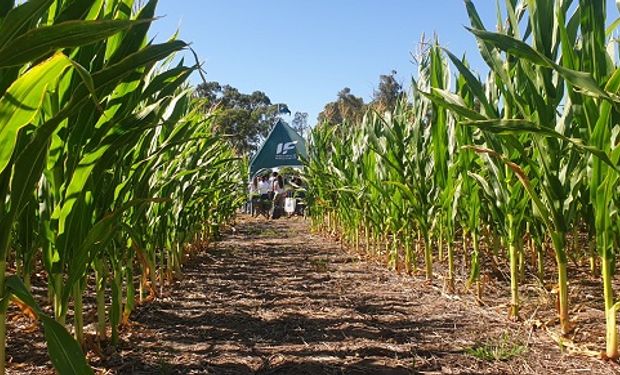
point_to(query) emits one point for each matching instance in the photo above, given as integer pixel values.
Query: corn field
(109, 169)
(518, 162)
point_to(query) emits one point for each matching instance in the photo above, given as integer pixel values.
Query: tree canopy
(244, 118)
(352, 108)
(300, 122)
(347, 106)
(388, 93)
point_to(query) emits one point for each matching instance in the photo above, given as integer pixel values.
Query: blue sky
(303, 52)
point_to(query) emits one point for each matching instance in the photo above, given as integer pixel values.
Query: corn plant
(542, 126)
(102, 147)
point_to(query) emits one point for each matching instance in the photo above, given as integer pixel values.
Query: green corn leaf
(65, 353)
(87, 80)
(520, 49)
(134, 38)
(453, 102)
(523, 126)
(488, 190)
(121, 9)
(42, 41)
(100, 233)
(102, 155)
(614, 25)
(30, 162)
(489, 53)
(5, 7)
(104, 82)
(78, 10)
(108, 78)
(472, 83)
(584, 81)
(21, 16)
(522, 176)
(512, 45)
(406, 190)
(23, 100)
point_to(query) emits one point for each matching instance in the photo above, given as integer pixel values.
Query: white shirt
(263, 187)
(253, 189)
(276, 187)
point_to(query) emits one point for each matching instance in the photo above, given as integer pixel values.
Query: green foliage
(504, 349)
(65, 352)
(300, 123)
(109, 164)
(244, 119)
(388, 93)
(530, 154)
(347, 107)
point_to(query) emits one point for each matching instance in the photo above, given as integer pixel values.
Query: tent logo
(284, 148)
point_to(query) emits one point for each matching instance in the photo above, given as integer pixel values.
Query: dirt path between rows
(271, 298)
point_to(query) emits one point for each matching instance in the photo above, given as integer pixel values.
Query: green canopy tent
(282, 147)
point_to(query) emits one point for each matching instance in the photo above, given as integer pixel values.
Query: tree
(245, 119)
(300, 122)
(346, 107)
(389, 92)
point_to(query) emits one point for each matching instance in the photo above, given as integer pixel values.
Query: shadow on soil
(278, 304)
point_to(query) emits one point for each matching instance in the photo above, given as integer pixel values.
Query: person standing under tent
(254, 195)
(273, 178)
(264, 201)
(278, 197)
(263, 187)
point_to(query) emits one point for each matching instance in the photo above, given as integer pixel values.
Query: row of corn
(109, 168)
(523, 162)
